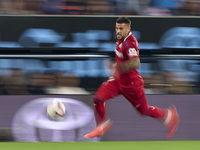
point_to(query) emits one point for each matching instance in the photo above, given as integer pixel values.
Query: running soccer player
(127, 81)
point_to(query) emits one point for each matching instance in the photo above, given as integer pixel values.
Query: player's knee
(145, 112)
(97, 101)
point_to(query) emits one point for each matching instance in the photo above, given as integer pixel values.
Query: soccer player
(127, 81)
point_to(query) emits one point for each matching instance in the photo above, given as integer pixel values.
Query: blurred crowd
(101, 7)
(14, 81)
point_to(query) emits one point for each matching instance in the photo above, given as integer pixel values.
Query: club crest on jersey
(132, 52)
(120, 45)
(119, 54)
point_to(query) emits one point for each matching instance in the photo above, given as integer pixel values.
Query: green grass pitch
(137, 145)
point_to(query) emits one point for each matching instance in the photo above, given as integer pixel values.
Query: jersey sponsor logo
(119, 54)
(132, 52)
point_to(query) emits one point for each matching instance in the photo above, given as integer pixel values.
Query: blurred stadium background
(65, 48)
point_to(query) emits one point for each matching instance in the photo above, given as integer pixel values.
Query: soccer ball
(56, 110)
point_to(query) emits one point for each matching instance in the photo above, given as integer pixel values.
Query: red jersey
(125, 50)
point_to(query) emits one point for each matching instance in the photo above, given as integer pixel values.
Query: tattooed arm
(130, 64)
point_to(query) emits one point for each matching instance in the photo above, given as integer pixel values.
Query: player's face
(122, 30)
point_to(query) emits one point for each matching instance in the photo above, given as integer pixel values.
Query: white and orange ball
(56, 110)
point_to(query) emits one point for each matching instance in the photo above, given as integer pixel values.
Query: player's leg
(169, 116)
(106, 91)
(136, 96)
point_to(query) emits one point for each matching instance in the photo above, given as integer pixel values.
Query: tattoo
(133, 63)
(130, 64)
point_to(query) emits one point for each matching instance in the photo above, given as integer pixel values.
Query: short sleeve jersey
(125, 50)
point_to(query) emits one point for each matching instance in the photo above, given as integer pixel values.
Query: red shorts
(134, 93)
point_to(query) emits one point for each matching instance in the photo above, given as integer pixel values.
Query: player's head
(122, 28)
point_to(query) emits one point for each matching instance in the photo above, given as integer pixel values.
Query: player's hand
(119, 69)
(116, 73)
(113, 66)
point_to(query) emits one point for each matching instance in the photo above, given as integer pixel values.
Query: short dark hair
(124, 20)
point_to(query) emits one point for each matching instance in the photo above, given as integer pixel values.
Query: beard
(120, 37)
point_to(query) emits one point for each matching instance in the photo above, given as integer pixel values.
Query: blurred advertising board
(26, 117)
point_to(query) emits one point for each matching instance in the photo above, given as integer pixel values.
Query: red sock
(100, 111)
(156, 112)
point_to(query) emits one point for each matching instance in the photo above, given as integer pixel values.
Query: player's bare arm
(130, 64)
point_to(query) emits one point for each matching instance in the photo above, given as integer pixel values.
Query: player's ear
(129, 28)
